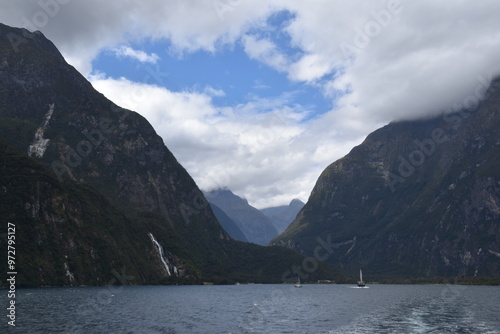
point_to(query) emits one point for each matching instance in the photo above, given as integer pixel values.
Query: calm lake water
(318, 309)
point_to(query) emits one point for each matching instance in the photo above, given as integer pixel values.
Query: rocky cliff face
(106, 193)
(416, 198)
(66, 233)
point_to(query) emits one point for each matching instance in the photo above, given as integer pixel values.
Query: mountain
(282, 216)
(415, 199)
(50, 112)
(254, 224)
(228, 224)
(94, 194)
(67, 233)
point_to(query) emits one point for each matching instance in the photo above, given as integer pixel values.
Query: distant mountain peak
(256, 227)
(282, 216)
(296, 202)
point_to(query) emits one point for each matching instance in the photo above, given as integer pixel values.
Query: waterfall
(39, 143)
(160, 252)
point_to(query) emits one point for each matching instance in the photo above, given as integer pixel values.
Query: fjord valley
(94, 193)
(97, 197)
(246, 223)
(237, 167)
(257, 226)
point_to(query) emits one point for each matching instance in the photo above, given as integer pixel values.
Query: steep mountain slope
(98, 191)
(418, 198)
(254, 224)
(228, 224)
(67, 233)
(282, 216)
(49, 111)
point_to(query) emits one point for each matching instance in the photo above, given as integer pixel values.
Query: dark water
(318, 309)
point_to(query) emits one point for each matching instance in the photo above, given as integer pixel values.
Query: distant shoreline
(467, 281)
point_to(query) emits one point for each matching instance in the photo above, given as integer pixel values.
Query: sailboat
(361, 284)
(298, 285)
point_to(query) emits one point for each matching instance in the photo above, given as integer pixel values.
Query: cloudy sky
(261, 95)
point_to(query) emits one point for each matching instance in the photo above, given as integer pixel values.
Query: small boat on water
(361, 283)
(298, 285)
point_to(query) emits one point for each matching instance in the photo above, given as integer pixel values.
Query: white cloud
(377, 60)
(309, 68)
(265, 51)
(143, 57)
(242, 147)
(424, 61)
(81, 29)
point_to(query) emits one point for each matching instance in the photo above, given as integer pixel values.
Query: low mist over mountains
(415, 199)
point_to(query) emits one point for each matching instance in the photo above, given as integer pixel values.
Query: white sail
(361, 284)
(298, 285)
